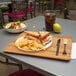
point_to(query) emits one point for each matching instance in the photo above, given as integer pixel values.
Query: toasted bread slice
(32, 33)
(36, 34)
(44, 34)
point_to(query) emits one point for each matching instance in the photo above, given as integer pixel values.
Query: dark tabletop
(59, 68)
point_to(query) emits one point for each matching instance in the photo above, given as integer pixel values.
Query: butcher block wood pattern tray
(48, 53)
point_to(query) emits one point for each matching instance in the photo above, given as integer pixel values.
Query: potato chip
(28, 44)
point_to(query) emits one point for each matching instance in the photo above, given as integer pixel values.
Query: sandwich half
(44, 35)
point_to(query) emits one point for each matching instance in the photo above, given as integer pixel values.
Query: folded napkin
(73, 54)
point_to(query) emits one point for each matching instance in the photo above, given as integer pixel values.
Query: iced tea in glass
(49, 19)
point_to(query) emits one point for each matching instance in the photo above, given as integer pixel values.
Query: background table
(2, 2)
(56, 67)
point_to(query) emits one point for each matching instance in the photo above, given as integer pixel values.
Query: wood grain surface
(49, 52)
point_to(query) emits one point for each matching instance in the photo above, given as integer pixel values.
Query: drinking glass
(49, 19)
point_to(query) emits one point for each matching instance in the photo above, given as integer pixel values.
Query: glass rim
(51, 11)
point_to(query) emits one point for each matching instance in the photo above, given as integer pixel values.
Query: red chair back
(26, 72)
(60, 1)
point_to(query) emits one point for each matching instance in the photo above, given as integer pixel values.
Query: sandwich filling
(45, 36)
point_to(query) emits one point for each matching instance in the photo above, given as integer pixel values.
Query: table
(56, 67)
(2, 2)
(6, 2)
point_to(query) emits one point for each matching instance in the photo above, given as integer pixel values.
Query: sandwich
(42, 36)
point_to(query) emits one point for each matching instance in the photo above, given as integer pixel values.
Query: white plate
(46, 46)
(16, 30)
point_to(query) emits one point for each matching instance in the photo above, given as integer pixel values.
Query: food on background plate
(15, 25)
(45, 36)
(29, 44)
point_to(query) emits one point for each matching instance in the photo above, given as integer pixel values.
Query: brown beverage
(49, 20)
